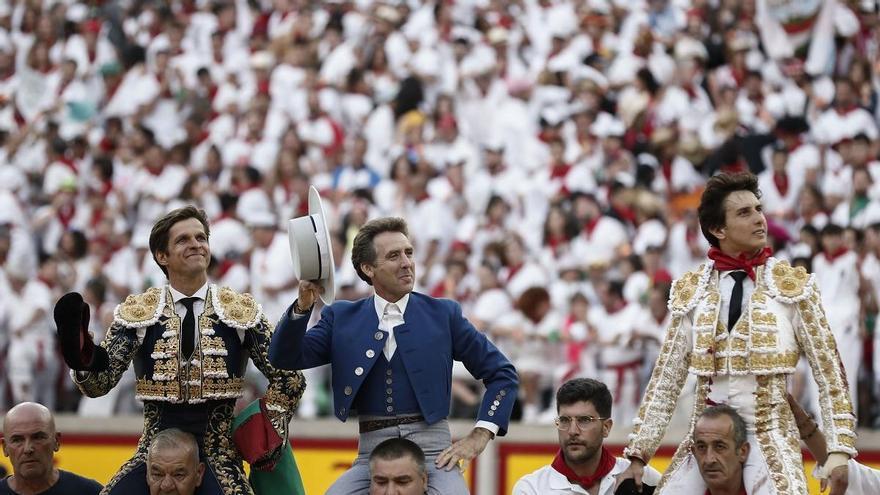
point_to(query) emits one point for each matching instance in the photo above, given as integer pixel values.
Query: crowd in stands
(547, 154)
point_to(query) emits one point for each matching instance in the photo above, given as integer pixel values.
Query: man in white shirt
(583, 465)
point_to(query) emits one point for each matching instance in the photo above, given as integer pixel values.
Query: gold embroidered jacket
(783, 319)
(146, 330)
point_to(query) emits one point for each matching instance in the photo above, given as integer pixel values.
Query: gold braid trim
(662, 393)
(818, 345)
(701, 392)
(141, 310)
(777, 436)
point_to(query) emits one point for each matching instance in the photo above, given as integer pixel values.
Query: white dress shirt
(390, 316)
(736, 391)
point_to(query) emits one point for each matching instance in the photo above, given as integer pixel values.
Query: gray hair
(739, 424)
(174, 438)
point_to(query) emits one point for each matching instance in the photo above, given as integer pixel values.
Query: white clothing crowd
(547, 154)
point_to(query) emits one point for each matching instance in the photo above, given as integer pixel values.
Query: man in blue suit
(391, 359)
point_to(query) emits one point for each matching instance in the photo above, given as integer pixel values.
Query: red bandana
(725, 262)
(606, 464)
(832, 256)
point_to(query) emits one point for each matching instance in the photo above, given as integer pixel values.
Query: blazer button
(379, 335)
(358, 371)
(347, 391)
(370, 353)
(390, 408)
(491, 413)
(502, 393)
(496, 403)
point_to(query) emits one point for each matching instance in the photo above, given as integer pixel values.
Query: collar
(176, 295)
(380, 304)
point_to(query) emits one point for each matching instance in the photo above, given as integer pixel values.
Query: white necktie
(391, 319)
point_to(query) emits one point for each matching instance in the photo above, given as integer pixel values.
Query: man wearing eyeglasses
(583, 465)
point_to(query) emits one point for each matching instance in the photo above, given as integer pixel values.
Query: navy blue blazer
(435, 334)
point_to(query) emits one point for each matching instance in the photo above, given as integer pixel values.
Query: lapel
(414, 312)
(364, 328)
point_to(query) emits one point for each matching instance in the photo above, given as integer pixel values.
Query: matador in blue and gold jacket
(196, 395)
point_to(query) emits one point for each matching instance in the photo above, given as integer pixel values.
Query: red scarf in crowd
(833, 255)
(725, 262)
(606, 464)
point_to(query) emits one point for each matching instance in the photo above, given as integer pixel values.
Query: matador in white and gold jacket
(747, 368)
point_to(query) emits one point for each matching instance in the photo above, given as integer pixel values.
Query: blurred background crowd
(548, 155)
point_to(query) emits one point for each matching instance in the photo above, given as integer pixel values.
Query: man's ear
(606, 427)
(719, 232)
(162, 258)
(367, 269)
(200, 473)
(57, 442)
(744, 452)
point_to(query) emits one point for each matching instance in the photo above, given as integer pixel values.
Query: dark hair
(585, 390)
(711, 210)
(363, 251)
(397, 448)
(739, 424)
(162, 228)
(831, 229)
(530, 300)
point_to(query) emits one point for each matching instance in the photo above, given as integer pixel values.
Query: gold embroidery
(762, 318)
(790, 281)
(141, 307)
(240, 308)
(764, 340)
(157, 390)
(214, 366)
(683, 289)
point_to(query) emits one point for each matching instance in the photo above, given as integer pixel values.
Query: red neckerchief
(606, 464)
(725, 262)
(65, 215)
(617, 308)
(559, 170)
(69, 163)
(591, 225)
(513, 271)
(832, 256)
(781, 182)
(845, 110)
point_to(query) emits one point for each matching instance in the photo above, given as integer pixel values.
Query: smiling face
(393, 273)
(580, 446)
(715, 449)
(187, 253)
(745, 228)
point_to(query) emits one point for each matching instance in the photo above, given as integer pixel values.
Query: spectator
(397, 467)
(583, 463)
(173, 464)
(30, 442)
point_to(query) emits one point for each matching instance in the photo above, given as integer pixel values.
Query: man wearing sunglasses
(583, 464)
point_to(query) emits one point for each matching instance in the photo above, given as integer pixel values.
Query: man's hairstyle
(363, 251)
(831, 229)
(711, 210)
(174, 438)
(162, 228)
(739, 424)
(585, 390)
(397, 448)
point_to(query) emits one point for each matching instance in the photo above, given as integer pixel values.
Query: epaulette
(687, 290)
(787, 283)
(239, 311)
(140, 310)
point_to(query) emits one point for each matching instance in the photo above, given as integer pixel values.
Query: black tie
(189, 326)
(736, 299)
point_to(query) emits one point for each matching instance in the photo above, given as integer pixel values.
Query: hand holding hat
(312, 254)
(77, 347)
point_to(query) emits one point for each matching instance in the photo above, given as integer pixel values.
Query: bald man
(30, 442)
